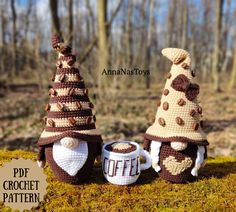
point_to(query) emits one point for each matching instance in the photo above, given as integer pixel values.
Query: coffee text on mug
(120, 167)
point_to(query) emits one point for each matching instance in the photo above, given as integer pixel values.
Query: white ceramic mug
(124, 168)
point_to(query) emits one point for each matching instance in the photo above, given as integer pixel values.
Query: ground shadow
(218, 125)
(217, 170)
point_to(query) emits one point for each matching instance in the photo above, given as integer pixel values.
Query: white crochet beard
(155, 151)
(71, 160)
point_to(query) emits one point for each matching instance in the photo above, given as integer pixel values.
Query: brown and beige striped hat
(69, 111)
(179, 115)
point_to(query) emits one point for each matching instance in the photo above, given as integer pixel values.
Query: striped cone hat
(69, 111)
(179, 115)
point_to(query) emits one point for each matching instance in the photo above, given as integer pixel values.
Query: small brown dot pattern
(179, 121)
(181, 102)
(195, 126)
(158, 103)
(185, 65)
(165, 106)
(88, 120)
(162, 122)
(71, 92)
(44, 119)
(60, 106)
(72, 121)
(51, 123)
(91, 105)
(78, 105)
(47, 107)
(199, 110)
(166, 92)
(61, 78)
(192, 112)
(168, 76)
(52, 92)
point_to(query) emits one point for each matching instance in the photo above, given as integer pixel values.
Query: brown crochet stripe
(66, 114)
(79, 84)
(176, 138)
(77, 127)
(84, 137)
(67, 71)
(69, 99)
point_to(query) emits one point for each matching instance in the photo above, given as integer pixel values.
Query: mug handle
(148, 159)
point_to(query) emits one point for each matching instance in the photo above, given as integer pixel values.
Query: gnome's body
(176, 140)
(70, 141)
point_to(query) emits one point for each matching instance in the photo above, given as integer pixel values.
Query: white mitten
(69, 142)
(199, 160)
(41, 164)
(178, 146)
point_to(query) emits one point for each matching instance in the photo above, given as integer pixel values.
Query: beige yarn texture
(171, 128)
(176, 55)
(175, 167)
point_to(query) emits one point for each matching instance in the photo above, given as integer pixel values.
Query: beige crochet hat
(69, 111)
(178, 116)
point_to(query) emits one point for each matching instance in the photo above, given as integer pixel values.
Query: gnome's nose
(178, 146)
(69, 142)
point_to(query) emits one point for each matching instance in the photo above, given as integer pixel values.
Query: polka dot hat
(179, 114)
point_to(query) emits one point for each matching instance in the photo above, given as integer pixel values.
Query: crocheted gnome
(70, 141)
(176, 140)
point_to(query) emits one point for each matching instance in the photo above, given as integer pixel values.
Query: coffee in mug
(121, 162)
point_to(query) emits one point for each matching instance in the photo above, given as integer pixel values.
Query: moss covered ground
(214, 191)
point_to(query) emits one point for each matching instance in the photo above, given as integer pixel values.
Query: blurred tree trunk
(179, 22)
(102, 37)
(70, 21)
(185, 25)
(151, 26)
(226, 52)
(55, 19)
(217, 44)
(3, 26)
(14, 39)
(128, 26)
(27, 18)
(92, 19)
(206, 56)
(171, 23)
(233, 73)
(2, 40)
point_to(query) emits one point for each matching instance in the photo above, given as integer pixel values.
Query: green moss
(214, 191)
